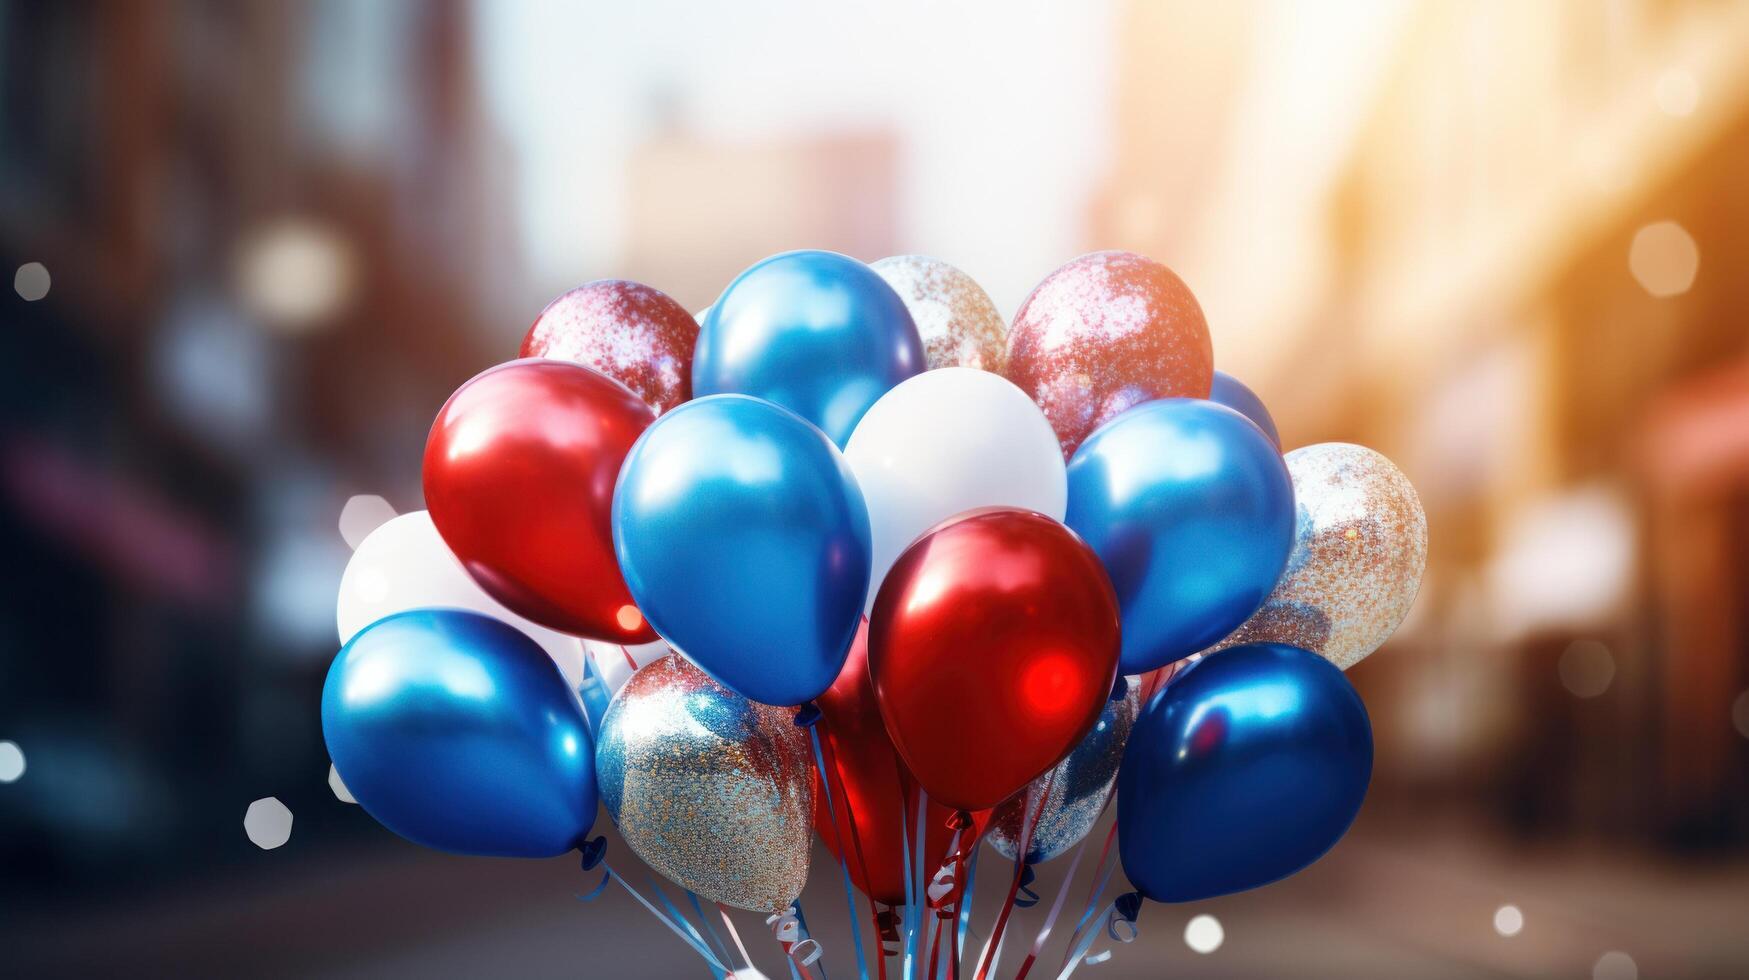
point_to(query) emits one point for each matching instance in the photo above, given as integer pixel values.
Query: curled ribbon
(1123, 913)
(787, 928)
(1025, 897)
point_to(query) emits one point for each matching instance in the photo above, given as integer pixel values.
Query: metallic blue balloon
(1233, 393)
(745, 543)
(458, 732)
(816, 332)
(1192, 511)
(1248, 767)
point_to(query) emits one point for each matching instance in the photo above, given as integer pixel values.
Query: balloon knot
(807, 715)
(887, 921)
(592, 852)
(1129, 905)
(1121, 925)
(959, 820)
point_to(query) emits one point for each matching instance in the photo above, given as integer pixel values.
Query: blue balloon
(745, 542)
(458, 732)
(817, 332)
(1248, 767)
(1233, 393)
(1192, 511)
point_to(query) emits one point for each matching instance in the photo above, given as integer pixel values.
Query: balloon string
(965, 909)
(920, 839)
(788, 929)
(842, 849)
(837, 773)
(729, 924)
(1102, 874)
(935, 950)
(717, 943)
(1030, 814)
(697, 947)
(910, 891)
(1044, 932)
(631, 661)
(674, 910)
(818, 958)
(1079, 953)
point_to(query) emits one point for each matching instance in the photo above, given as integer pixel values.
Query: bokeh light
(1615, 965)
(1508, 921)
(31, 281)
(1204, 934)
(363, 514)
(11, 762)
(1664, 259)
(1586, 667)
(296, 275)
(341, 793)
(268, 823)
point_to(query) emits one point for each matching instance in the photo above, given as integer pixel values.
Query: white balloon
(947, 441)
(404, 564)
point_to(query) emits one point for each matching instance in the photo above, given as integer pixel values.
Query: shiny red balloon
(873, 780)
(628, 331)
(519, 474)
(992, 646)
(1106, 332)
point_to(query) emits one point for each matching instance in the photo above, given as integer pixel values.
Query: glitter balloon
(1360, 545)
(626, 330)
(1106, 332)
(1079, 787)
(709, 788)
(959, 325)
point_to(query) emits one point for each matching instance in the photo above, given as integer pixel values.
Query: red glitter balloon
(519, 474)
(873, 794)
(1106, 332)
(628, 331)
(992, 648)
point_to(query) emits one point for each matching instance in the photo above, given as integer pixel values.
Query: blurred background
(254, 245)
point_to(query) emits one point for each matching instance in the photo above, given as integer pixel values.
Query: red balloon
(1104, 333)
(519, 474)
(992, 647)
(881, 794)
(628, 331)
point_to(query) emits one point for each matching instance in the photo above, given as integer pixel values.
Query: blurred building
(260, 221)
(1500, 243)
(699, 211)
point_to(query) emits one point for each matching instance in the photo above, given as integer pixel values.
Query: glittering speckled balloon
(959, 325)
(1080, 785)
(626, 330)
(709, 788)
(1106, 332)
(1360, 545)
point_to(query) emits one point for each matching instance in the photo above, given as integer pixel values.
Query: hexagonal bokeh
(363, 514)
(31, 281)
(341, 793)
(268, 823)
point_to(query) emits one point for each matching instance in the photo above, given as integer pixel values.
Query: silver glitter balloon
(1080, 785)
(713, 790)
(959, 325)
(1359, 550)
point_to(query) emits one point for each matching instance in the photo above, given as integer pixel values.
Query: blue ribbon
(843, 845)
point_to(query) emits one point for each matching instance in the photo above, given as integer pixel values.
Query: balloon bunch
(854, 559)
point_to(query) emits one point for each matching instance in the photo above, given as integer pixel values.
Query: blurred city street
(255, 245)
